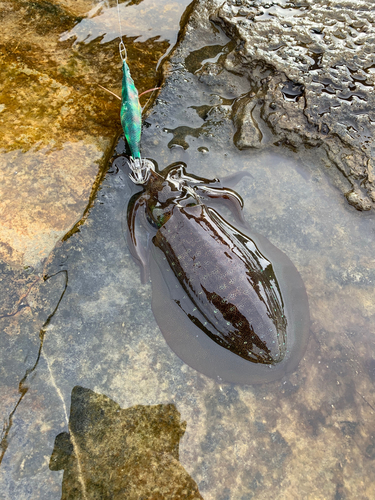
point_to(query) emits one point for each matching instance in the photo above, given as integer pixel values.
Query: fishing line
(122, 48)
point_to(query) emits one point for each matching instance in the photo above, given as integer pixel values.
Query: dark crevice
(22, 387)
(95, 188)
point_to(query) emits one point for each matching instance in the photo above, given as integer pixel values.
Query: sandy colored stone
(80, 7)
(41, 197)
(57, 126)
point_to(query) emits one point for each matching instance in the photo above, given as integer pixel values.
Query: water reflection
(114, 453)
(141, 19)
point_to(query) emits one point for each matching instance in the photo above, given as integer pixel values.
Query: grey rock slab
(240, 442)
(291, 198)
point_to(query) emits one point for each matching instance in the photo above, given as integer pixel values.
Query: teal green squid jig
(131, 111)
(131, 119)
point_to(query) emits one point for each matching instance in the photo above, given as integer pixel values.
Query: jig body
(131, 118)
(131, 112)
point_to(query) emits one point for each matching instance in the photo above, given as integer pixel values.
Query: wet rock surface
(57, 126)
(311, 68)
(309, 435)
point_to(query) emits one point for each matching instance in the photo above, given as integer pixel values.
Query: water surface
(90, 325)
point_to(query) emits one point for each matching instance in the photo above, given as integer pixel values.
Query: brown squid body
(229, 303)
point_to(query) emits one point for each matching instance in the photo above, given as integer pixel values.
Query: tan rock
(57, 126)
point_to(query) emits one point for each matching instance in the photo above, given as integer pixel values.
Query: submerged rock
(57, 126)
(121, 453)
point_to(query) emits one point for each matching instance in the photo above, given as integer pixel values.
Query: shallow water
(54, 111)
(309, 435)
(138, 20)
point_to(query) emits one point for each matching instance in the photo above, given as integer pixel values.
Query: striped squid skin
(231, 306)
(234, 288)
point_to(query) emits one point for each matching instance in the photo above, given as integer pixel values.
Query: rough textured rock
(325, 50)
